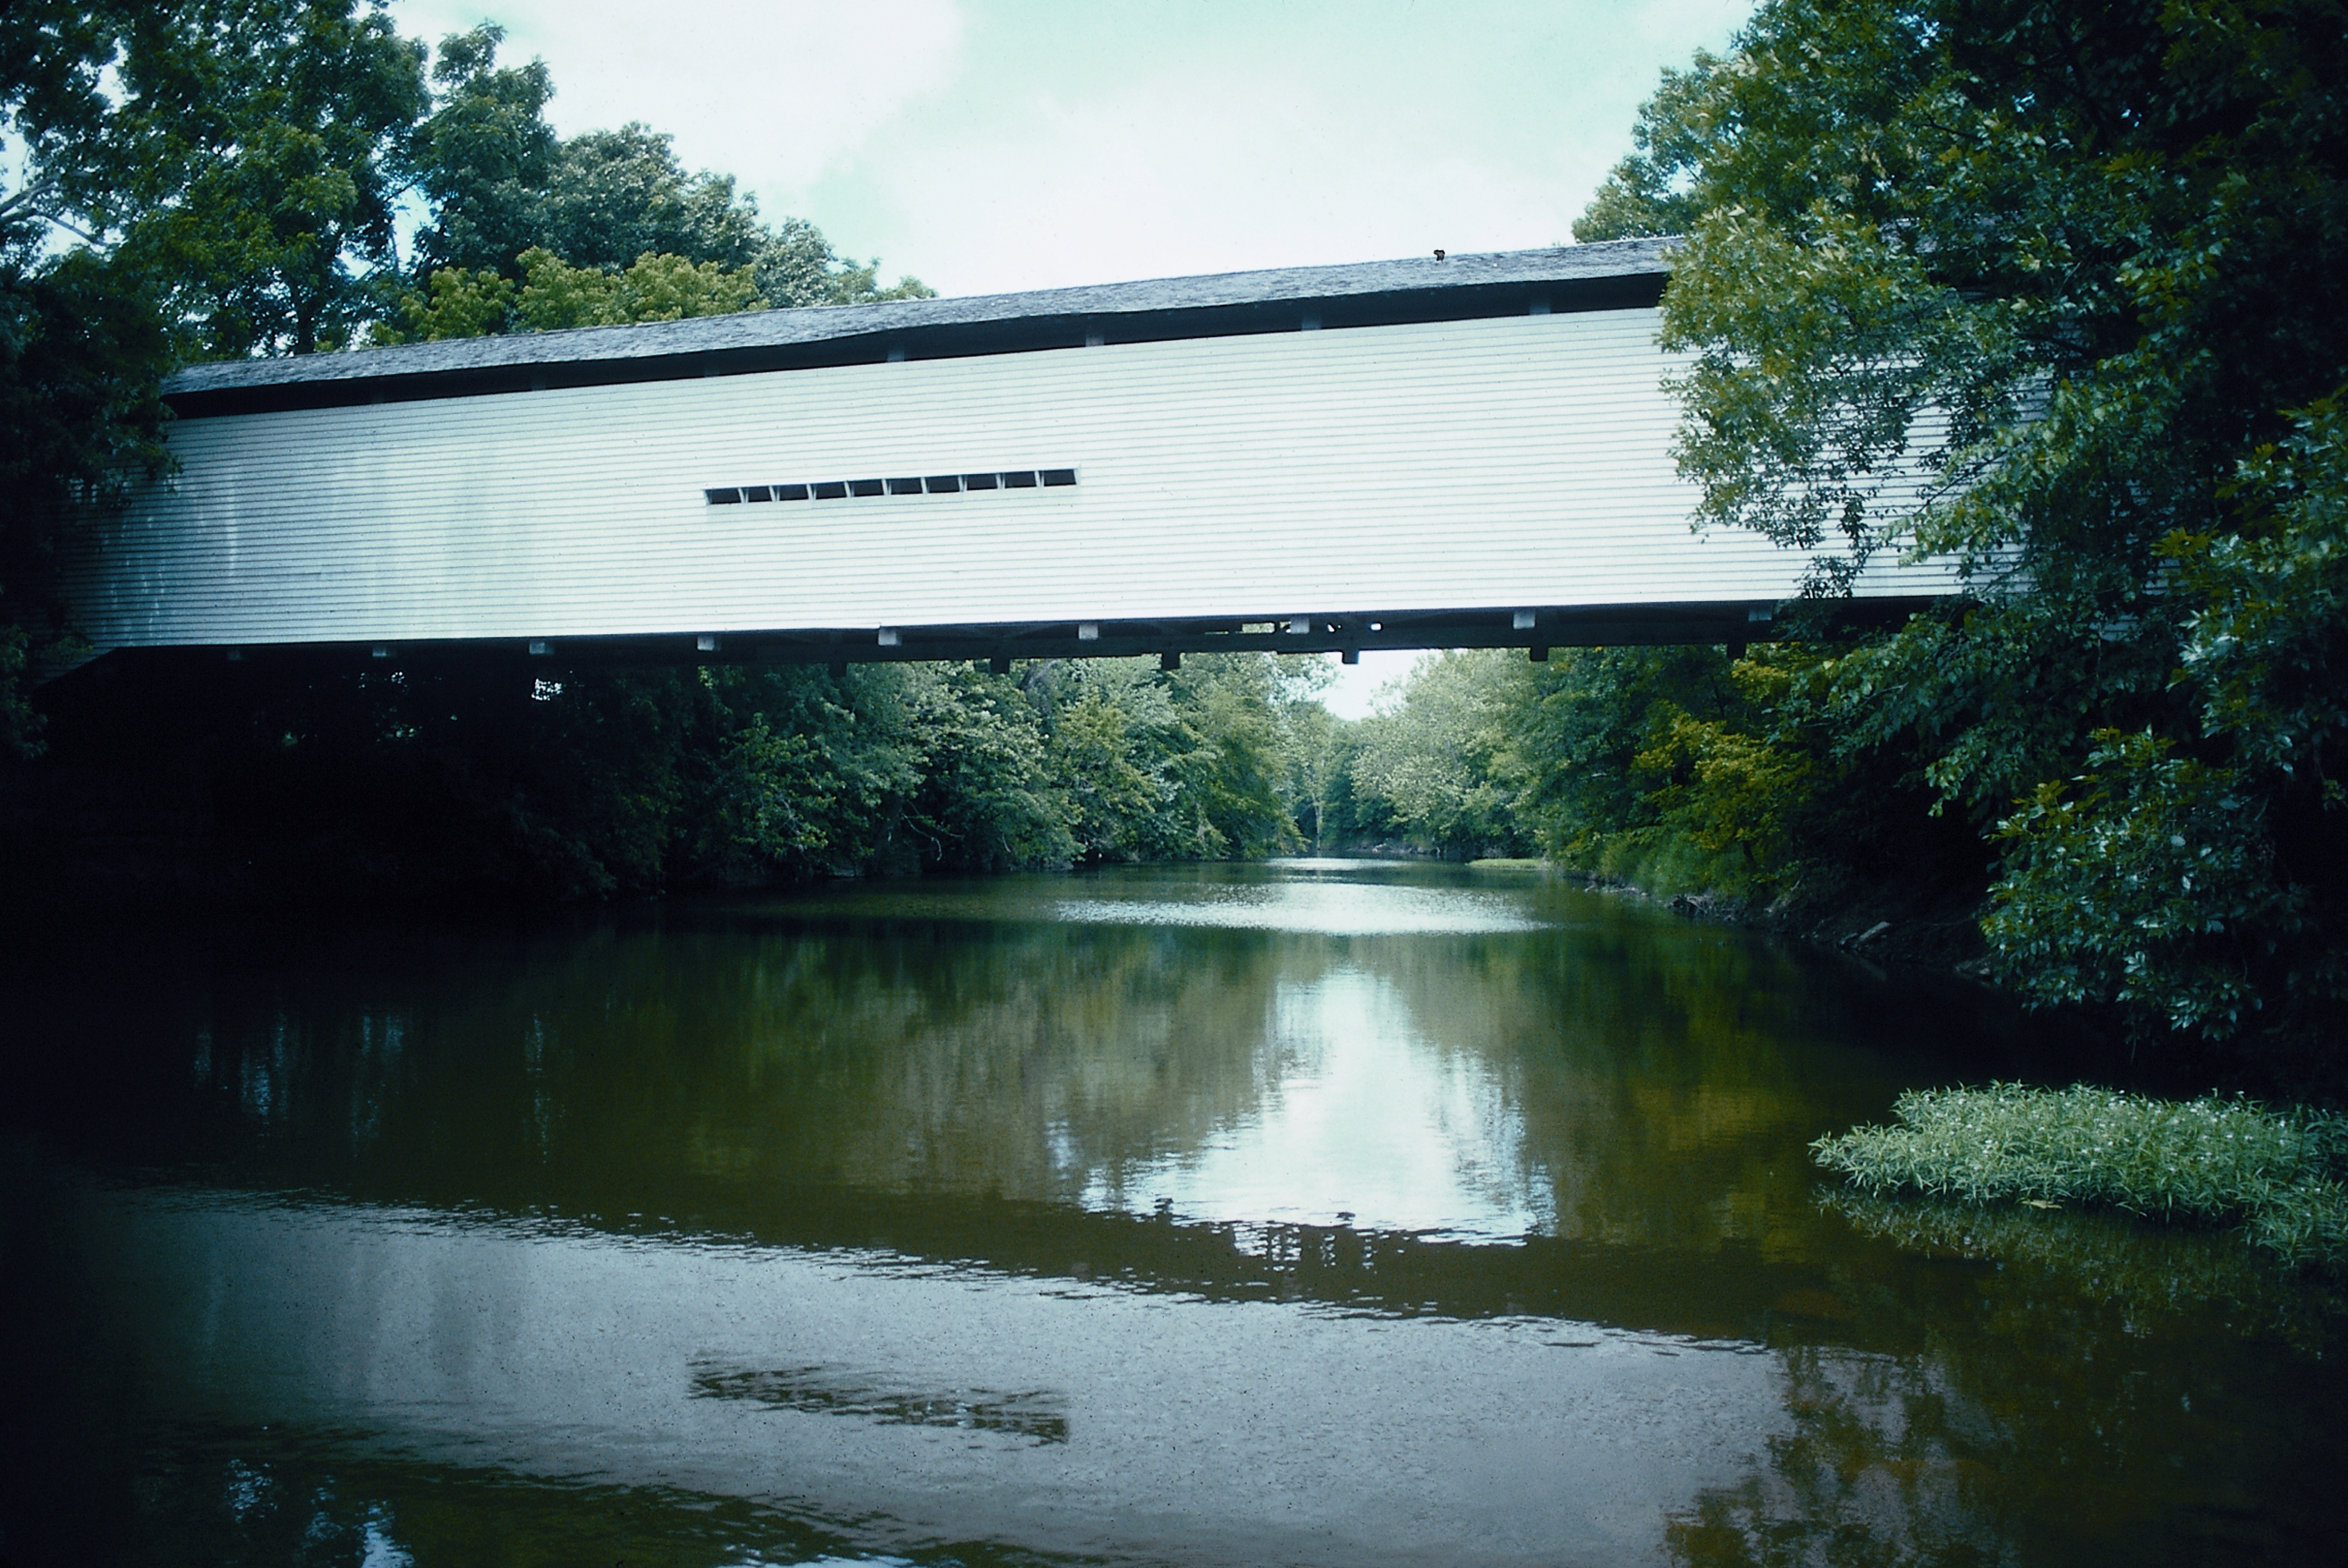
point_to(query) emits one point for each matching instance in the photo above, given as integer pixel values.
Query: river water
(1325, 1212)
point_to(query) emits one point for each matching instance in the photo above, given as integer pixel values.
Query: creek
(1318, 1211)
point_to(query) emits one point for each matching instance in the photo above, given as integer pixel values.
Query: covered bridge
(1463, 452)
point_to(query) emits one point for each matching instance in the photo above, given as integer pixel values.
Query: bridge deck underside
(1626, 625)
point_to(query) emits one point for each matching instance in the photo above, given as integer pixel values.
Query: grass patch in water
(2275, 1173)
(1507, 863)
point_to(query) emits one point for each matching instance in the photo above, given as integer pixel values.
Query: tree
(1429, 761)
(2054, 294)
(82, 353)
(554, 294)
(81, 366)
(505, 188)
(250, 171)
(484, 157)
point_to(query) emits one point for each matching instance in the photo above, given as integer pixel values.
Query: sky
(989, 145)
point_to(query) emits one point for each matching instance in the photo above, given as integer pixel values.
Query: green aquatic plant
(2275, 1172)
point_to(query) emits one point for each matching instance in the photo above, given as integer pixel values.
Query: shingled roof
(1612, 275)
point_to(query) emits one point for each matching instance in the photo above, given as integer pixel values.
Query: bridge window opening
(933, 484)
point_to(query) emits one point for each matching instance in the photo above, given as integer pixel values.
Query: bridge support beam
(1732, 625)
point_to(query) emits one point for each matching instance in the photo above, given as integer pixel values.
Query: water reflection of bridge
(1470, 452)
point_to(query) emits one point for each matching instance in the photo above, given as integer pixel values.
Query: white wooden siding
(1492, 463)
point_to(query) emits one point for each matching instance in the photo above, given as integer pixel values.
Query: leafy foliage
(524, 222)
(82, 353)
(431, 782)
(1429, 764)
(1677, 768)
(81, 361)
(251, 169)
(554, 294)
(2052, 295)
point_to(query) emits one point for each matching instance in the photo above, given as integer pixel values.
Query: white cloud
(993, 145)
(774, 92)
(1169, 176)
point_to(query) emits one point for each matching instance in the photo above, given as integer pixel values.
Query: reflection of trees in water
(1026, 1062)
(1006, 1062)
(2090, 1391)
(1666, 1082)
(1868, 1477)
(2156, 1272)
(1649, 1086)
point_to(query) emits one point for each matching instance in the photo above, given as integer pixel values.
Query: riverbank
(1932, 927)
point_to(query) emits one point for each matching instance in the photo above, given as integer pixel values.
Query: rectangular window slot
(933, 484)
